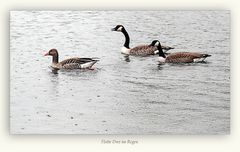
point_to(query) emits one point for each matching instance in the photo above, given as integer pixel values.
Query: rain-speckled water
(119, 97)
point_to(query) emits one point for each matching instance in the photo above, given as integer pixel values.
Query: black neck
(55, 58)
(161, 51)
(127, 39)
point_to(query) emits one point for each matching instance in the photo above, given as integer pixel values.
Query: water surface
(119, 97)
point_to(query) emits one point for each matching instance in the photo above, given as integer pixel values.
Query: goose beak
(113, 29)
(46, 54)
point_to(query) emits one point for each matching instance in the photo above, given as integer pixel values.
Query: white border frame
(40, 143)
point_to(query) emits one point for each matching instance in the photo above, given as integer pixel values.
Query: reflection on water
(54, 70)
(127, 58)
(122, 95)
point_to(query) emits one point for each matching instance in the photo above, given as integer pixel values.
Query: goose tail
(206, 55)
(95, 59)
(89, 64)
(167, 48)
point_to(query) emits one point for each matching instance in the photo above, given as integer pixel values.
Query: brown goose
(179, 57)
(71, 63)
(141, 50)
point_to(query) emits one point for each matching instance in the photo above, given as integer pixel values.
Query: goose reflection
(54, 70)
(126, 58)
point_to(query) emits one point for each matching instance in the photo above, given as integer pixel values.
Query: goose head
(155, 43)
(52, 52)
(118, 28)
(162, 56)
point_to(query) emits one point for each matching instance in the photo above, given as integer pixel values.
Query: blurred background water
(119, 97)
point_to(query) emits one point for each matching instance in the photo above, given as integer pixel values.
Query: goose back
(75, 63)
(183, 57)
(143, 50)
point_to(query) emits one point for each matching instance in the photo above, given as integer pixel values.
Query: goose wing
(75, 63)
(183, 57)
(143, 50)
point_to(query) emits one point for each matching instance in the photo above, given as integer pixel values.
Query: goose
(71, 63)
(179, 57)
(141, 50)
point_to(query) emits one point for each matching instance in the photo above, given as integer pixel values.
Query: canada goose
(179, 57)
(141, 50)
(71, 63)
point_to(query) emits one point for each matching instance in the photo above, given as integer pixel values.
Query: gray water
(119, 97)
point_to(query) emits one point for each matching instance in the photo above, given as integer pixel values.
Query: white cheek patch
(157, 43)
(119, 29)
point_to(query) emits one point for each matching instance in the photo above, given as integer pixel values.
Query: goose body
(180, 57)
(71, 63)
(184, 57)
(141, 50)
